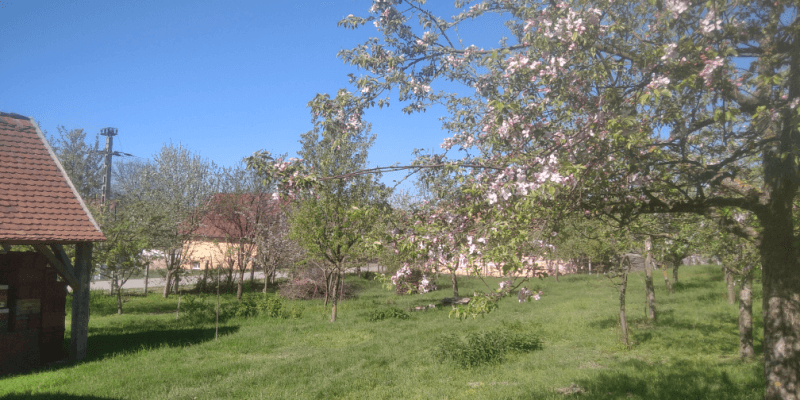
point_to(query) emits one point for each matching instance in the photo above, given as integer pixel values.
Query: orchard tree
(333, 222)
(646, 107)
(236, 214)
(122, 254)
(170, 196)
(274, 248)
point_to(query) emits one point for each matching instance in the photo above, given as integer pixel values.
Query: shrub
(309, 284)
(488, 347)
(368, 275)
(386, 313)
(246, 308)
(196, 310)
(271, 306)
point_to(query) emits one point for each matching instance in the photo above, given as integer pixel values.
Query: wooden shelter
(40, 207)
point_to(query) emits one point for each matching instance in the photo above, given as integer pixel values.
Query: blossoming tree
(627, 107)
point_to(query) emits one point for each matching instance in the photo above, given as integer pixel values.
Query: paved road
(188, 280)
(159, 282)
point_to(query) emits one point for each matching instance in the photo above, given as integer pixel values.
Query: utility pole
(109, 133)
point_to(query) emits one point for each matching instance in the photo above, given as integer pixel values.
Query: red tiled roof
(37, 200)
(233, 215)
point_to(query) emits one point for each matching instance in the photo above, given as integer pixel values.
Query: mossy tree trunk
(648, 282)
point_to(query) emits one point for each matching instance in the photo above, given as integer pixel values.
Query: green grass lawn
(690, 354)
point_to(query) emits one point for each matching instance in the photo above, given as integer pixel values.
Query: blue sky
(221, 78)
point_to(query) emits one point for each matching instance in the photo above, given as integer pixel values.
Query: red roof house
(226, 231)
(40, 207)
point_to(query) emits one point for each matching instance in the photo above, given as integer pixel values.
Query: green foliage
(387, 313)
(82, 161)
(201, 309)
(267, 305)
(480, 304)
(385, 281)
(485, 347)
(197, 310)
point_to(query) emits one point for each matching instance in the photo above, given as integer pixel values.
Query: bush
(488, 347)
(196, 310)
(272, 306)
(386, 313)
(368, 275)
(309, 284)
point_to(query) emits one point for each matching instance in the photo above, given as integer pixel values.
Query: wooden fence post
(80, 302)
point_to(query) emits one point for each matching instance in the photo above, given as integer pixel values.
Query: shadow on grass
(107, 342)
(637, 379)
(52, 396)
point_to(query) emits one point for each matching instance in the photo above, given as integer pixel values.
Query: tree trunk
(623, 319)
(675, 272)
(455, 284)
(328, 283)
(781, 307)
(557, 269)
(240, 286)
(146, 277)
(252, 275)
(779, 256)
(746, 316)
(167, 283)
(111, 283)
(216, 325)
(119, 299)
(729, 282)
(205, 276)
(178, 309)
(334, 297)
(648, 282)
(266, 279)
(666, 280)
(341, 286)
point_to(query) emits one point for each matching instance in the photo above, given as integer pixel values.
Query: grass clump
(202, 309)
(387, 313)
(485, 347)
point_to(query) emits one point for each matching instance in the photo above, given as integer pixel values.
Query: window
(195, 265)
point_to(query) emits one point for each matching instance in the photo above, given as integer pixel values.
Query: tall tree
(171, 193)
(82, 161)
(642, 105)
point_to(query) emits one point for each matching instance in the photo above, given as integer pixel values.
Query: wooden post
(80, 302)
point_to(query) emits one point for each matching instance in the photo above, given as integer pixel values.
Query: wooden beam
(80, 302)
(61, 255)
(65, 270)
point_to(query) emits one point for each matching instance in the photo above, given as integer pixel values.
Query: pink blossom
(670, 52)
(710, 23)
(676, 7)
